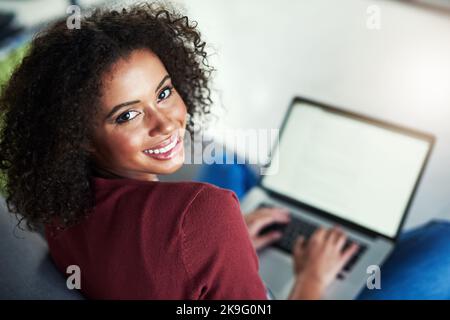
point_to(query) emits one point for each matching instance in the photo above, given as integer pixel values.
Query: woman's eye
(165, 93)
(124, 117)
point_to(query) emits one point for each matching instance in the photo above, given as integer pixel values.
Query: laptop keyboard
(297, 227)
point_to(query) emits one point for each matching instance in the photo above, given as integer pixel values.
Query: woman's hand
(261, 218)
(317, 263)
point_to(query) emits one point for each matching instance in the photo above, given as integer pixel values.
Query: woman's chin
(171, 166)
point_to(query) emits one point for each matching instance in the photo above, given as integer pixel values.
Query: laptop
(334, 167)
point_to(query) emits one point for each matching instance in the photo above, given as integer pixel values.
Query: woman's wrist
(307, 288)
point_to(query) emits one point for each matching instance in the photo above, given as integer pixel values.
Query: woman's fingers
(329, 234)
(266, 217)
(337, 237)
(341, 239)
(299, 246)
(337, 240)
(319, 235)
(267, 239)
(348, 253)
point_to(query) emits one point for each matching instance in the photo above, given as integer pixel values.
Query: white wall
(269, 51)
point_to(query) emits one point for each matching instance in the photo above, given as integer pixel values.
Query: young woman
(92, 116)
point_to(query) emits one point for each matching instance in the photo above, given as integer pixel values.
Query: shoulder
(208, 196)
(212, 206)
(199, 191)
(182, 194)
(193, 197)
(190, 197)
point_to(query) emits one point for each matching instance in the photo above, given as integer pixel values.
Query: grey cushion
(26, 269)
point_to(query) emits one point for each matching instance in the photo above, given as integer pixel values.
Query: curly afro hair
(48, 104)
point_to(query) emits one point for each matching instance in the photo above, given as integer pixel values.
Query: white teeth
(163, 150)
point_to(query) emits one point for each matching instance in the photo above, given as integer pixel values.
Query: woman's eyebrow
(162, 82)
(120, 106)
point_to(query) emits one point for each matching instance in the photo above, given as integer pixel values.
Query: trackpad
(276, 270)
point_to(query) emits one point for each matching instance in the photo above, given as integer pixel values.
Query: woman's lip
(169, 154)
(164, 143)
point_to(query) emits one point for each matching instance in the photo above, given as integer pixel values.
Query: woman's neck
(99, 172)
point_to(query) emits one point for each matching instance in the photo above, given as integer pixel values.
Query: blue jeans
(418, 268)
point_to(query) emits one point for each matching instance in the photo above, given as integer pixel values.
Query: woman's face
(140, 129)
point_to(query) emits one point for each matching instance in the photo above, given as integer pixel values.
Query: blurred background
(386, 59)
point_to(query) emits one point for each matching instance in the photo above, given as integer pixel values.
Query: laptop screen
(356, 169)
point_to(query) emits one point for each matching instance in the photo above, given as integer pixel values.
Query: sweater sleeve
(217, 250)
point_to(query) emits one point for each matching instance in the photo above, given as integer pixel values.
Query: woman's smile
(166, 150)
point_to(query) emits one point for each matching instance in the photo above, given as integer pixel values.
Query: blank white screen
(347, 167)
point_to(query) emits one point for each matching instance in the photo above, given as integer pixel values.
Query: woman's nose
(160, 124)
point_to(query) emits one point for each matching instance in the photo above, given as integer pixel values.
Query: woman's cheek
(125, 144)
(180, 110)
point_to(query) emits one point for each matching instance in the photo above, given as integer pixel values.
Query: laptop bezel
(429, 138)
